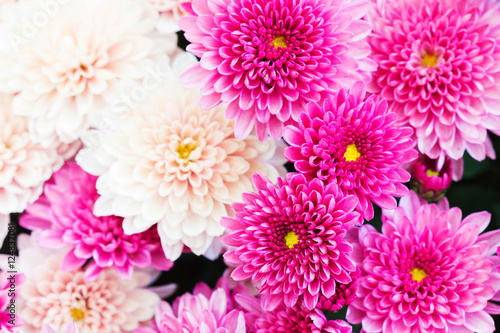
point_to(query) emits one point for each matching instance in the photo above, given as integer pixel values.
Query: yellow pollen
(278, 41)
(291, 239)
(77, 314)
(186, 149)
(431, 173)
(351, 153)
(429, 60)
(418, 274)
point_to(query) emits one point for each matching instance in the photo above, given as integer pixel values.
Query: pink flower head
(355, 144)
(288, 319)
(9, 310)
(428, 271)
(290, 238)
(199, 313)
(344, 294)
(430, 182)
(65, 213)
(439, 67)
(70, 328)
(268, 58)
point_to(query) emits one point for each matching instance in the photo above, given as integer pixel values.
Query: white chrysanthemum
(68, 66)
(170, 12)
(24, 165)
(4, 227)
(171, 163)
(51, 296)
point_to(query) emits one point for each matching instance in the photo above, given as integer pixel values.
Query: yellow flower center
(351, 153)
(291, 239)
(418, 274)
(186, 149)
(429, 60)
(279, 41)
(431, 173)
(77, 314)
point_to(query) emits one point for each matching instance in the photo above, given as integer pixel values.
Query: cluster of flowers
(120, 151)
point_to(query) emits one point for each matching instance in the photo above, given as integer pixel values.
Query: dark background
(479, 190)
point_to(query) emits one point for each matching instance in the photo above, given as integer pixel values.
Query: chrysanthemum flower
(24, 164)
(68, 72)
(355, 144)
(428, 270)
(344, 294)
(430, 182)
(174, 164)
(70, 328)
(170, 12)
(268, 59)
(9, 311)
(4, 227)
(65, 213)
(283, 319)
(52, 296)
(439, 66)
(290, 239)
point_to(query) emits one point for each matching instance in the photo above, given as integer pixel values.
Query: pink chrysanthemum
(427, 271)
(439, 66)
(51, 296)
(290, 239)
(65, 213)
(24, 164)
(288, 319)
(344, 294)
(9, 314)
(430, 182)
(70, 328)
(355, 144)
(268, 59)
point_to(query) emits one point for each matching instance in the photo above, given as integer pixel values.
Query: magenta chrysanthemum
(355, 144)
(9, 318)
(290, 238)
(284, 319)
(427, 271)
(344, 294)
(64, 212)
(268, 59)
(439, 66)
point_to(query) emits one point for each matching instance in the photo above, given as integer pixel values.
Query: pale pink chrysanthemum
(356, 144)
(430, 182)
(4, 227)
(24, 165)
(289, 239)
(68, 72)
(10, 285)
(174, 164)
(269, 58)
(65, 214)
(70, 328)
(439, 66)
(283, 319)
(52, 296)
(170, 13)
(428, 270)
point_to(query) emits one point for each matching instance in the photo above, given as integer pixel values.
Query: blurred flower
(52, 296)
(4, 227)
(176, 165)
(24, 164)
(269, 58)
(439, 66)
(288, 319)
(170, 12)
(430, 182)
(428, 269)
(355, 144)
(9, 318)
(67, 73)
(64, 213)
(290, 239)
